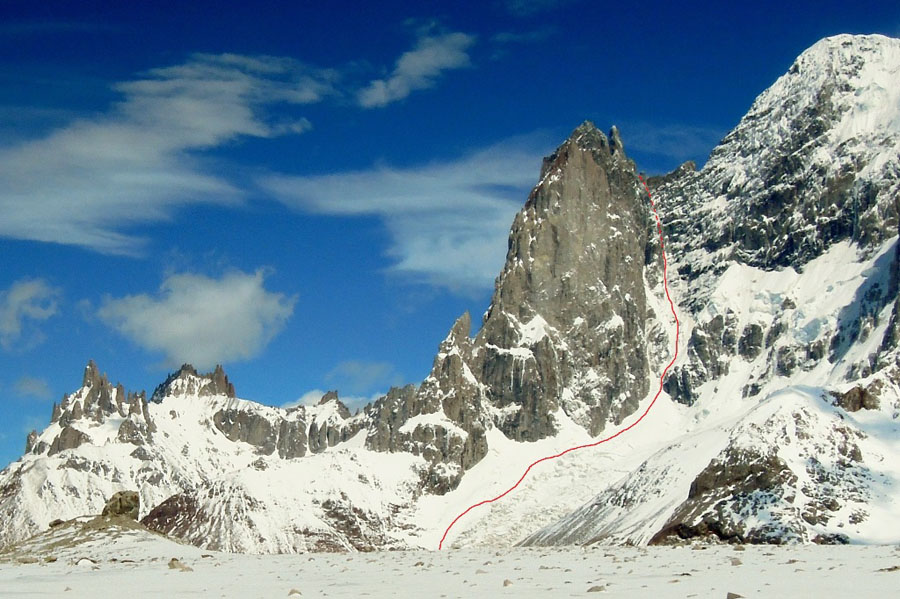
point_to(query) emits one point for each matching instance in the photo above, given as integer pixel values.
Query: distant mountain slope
(785, 245)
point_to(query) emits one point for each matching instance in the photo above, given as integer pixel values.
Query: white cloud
(360, 376)
(26, 300)
(310, 398)
(522, 37)
(418, 68)
(202, 320)
(681, 142)
(28, 386)
(449, 222)
(313, 396)
(87, 182)
(527, 8)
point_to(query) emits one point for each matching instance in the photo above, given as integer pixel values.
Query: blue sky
(311, 194)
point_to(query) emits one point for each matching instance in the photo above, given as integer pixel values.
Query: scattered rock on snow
(176, 564)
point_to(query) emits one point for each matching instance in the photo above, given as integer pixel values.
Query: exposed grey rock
(176, 564)
(738, 477)
(857, 398)
(565, 328)
(123, 503)
(187, 381)
(292, 439)
(133, 431)
(30, 441)
(174, 515)
(575, 252)
(343, 411)
(751, 342)
(249, 427)
(68, 438)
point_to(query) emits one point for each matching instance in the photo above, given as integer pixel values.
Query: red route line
(630, 426)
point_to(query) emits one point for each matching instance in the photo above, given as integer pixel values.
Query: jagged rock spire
(187, 381)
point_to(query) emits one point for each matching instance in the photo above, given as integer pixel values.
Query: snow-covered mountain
(779, 421)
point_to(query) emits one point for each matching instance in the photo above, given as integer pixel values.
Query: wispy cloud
(313, 396)
(37, 388)
(448, 222)
(419, 68)
(202, 320)
(522, 37)
(681, 142)
(86, 183)
(528, 8)
(361, 376)
(503, 42)
(26, 302)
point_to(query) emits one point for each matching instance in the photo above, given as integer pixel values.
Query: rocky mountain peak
(565, 327)
(92, 376)
(332, 396)
(811, 164)
(461, 329)
(186, 381)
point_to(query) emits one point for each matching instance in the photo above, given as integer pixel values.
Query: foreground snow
(138, 563)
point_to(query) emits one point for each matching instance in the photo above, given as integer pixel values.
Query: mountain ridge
(783, 262)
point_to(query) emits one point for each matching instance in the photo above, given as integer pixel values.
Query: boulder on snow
(123, 503)
(857, 398)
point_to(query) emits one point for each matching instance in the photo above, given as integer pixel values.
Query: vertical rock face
(565, 331)
(566, 325)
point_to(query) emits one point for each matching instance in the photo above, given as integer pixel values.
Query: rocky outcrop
(186, 381)
(248, 427)
(68, 438)
(126, 504)
(174, 516)
(738, 481)
(291, 434)
(565, 329)
(30, 441)
(857, 398)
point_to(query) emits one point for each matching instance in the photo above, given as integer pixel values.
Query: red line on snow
(627, 428)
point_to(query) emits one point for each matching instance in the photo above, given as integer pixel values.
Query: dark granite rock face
(134, 431)
(174, 516)
(68, 438)
(98, 400)
(857, 398)
(248, 427)
(738, 480)
(572, 294)
(565, 329)
(30, 441)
